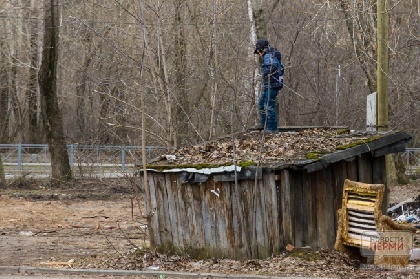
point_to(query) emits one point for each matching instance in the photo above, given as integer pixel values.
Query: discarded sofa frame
(360, 219)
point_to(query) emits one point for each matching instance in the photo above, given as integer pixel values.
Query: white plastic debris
(415, 254)
(401, 219)
(170, 157)
(26, 233)
(154, 267)
(204, 170)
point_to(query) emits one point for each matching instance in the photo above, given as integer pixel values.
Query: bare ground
(97, 224)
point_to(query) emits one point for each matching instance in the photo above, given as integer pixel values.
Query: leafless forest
(191, 62)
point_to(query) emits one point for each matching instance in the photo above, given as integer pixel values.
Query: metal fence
(84, 159)
(412, 165)
(94, 159)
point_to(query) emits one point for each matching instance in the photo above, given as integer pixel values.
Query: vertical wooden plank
(279, 210)
(365, 168)
(272, 224)
(307, 201)
(338, 176)
(329, 202)
(234, 226)
(259, 219)
(189, 237)
(379, 177)
(184, 220)
(269, 222)
(227, 204)
(321, 210)
(296, 188)
(238, 223)
(172, 210)
(312, 214)
(379, 170)
(246, 206)
(252, 208)
(197, 211)
(178, 214)
(252, 218)
(151, 211)
(162, 210)
(221, 217)
(208, 216)
(286, 207)
(352, 169)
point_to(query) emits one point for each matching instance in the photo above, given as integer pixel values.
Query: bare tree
(4, 97)
(213, 73)
(32, 92)
(51, 113)
(191, 65)
(360, 20)
(13, 61)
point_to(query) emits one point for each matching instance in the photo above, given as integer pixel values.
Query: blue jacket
(272, 69)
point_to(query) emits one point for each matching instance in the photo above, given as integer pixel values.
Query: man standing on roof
(272, 81)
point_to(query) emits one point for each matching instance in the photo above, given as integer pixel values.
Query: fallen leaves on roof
(265, 149)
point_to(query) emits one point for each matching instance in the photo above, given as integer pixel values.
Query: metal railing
(412, 165)
(36, 157)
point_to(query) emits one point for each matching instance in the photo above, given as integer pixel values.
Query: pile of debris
(407, 211)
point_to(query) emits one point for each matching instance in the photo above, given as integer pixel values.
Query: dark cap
(260, 45)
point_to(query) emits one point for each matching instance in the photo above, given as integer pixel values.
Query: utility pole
(382, 90)
(382, 65)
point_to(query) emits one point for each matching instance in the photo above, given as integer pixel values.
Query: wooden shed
(250, 196)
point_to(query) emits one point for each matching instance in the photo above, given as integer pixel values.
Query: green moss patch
(356, 143)
(314, 155)
(306, 254)
(245, 164)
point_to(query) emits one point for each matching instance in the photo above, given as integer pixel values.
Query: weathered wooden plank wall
(309, 201)
(253, 219)
(214, 219)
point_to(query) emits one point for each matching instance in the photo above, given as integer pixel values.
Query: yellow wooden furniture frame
(361, 216)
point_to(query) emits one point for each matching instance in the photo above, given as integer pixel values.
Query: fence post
(19, 156)
(71, 155)
(123, 158)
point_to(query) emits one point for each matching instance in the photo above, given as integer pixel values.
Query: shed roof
(310, 148)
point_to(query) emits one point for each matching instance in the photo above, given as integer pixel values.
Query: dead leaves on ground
(297, 262)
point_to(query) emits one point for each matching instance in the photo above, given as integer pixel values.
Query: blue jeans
(267, 108)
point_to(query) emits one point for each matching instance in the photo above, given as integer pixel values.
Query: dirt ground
(42, 225)
(97, 224)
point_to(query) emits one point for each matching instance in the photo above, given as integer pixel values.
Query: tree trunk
(259, 19)
(258, 31)
(180, 74)
(51, 113)
(32, 91)
(2, 176)
(213, 74)
(360, 20)
(4, 99)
